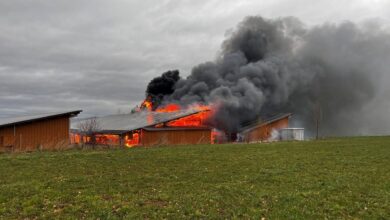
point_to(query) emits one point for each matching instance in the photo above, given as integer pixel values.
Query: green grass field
(347, 178)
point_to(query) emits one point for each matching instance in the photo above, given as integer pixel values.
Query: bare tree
(89, 128)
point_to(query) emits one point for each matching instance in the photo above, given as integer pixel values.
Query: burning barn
(146, 128)
(170, 125)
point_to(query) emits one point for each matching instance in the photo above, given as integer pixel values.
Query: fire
(107, 139)
(132, 141)
(196, 120)
(146, 104)
(199, 119)
(99, 139)
(169, 108)
(175, 107)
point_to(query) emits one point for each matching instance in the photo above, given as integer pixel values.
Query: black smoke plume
(161, 86)
(331, 71)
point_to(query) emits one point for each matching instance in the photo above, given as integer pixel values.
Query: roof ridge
(28, 118)
(263, 122)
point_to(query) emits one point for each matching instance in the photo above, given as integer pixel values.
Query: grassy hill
(345, 178)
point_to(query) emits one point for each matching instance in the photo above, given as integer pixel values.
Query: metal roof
(133, 121)
(36, 117)
(177, 128)
(265, 122)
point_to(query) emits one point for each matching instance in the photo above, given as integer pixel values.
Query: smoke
(161, 86)
(265, 67)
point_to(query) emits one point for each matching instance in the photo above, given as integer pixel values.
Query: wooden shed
(42, 131)
(263, 130)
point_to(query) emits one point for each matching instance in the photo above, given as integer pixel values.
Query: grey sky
(99, 55)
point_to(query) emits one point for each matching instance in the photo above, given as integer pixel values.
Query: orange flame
(132, 141)
(146, 104)
(107, 139)
(199, 119)
(169, 108)
(196, 120)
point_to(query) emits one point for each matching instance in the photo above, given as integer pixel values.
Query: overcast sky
(99, 55)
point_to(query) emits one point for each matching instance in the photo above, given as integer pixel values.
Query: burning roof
(127, 122)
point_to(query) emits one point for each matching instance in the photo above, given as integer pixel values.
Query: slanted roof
(4, 122)
(128, 122)
(177, 128)
(260, 123)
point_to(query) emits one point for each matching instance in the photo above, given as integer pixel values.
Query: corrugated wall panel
(175, 137)
(263, 133)
(47, 134)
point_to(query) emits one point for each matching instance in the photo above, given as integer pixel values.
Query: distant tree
(89, 128)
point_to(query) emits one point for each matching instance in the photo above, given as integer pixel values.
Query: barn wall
(175, 137)
(263, 132)
(46, 134)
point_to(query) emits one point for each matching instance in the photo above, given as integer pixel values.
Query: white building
(292, 134)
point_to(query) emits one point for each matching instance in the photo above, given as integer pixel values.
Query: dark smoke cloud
(162, 86)
(274, 66)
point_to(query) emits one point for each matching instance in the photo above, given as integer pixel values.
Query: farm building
(145, 129)
(264, 130)
(32, 132)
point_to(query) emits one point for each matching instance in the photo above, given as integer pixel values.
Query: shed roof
(269, 120)
(4, 122)
(127, 122)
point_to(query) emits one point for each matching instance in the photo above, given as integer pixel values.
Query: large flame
(199, 119)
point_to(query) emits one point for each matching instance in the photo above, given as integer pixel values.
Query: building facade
(29, 133)
(266, 130)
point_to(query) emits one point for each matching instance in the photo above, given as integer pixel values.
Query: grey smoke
(272, 66)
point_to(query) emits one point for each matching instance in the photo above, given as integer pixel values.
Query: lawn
(347, 178)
